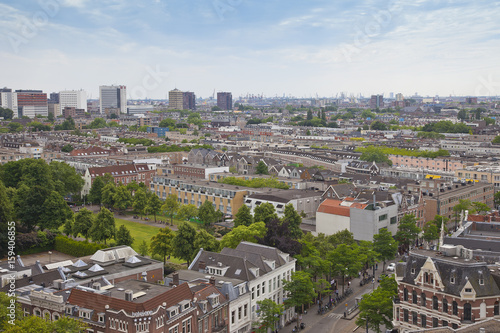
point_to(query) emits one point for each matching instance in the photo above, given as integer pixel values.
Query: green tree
(123, 236)
(104, 226)
(309, 114)
(322, 287)
(346, 260)
(480, 207)
(368, 252)
(15, 127)
(67, 148)
(168, 122)
(6, 113)
(374, 154)
(140, 201)
(187, 212)
(183, 242)
(376, 308)
(7, 212)
(462, 114)
(243, 233)
(170, 207)
(243, 217)
(299, 290)
(162, 244)
(294, 220)
(460, 208)
(84, 220)
(5, 303)
(65, 178)
(29, 204)
(407, 230)
(204, 240)
(108, 195)
(122, 198)
(431, 232)
(269, 313)
(207, 213)
(385, 245)
(377, 125)
(144, 249)
(95, 193)
(264, 212)
(154, 205)
(97, 123)
(261, 168)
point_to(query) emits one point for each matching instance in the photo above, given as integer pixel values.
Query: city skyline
(272, 48)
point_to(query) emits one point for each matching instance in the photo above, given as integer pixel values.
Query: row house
(368, 168)
(121, 173)
(303, 201)
(226, 198)
(263, 270)
(426, 163)
(448, 292)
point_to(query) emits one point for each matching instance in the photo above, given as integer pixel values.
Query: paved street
(332, 321)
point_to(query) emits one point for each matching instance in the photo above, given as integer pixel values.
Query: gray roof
(447, 267)
(284, 196)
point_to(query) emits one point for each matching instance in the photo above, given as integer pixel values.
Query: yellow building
(226, 198)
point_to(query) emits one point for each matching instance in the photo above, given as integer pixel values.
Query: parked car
(391, 267)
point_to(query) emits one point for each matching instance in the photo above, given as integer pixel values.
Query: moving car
(391, 267)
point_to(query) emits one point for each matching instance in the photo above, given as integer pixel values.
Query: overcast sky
(275, 47)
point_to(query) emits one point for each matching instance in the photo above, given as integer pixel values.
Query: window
(405, 315)
(424, 320)
(174, 329)
(101, 318)
(455, 308)
(382, 217)
(468, 290)
(414, 297)
(445, 323)
(413, 271)
(258, 290)
(405, 295)
(263, 288)
(496, 309)
(435, 303)
(455, 326)
(253, 293)
(232, 317)
(435, 322)
(452, 280)
(186, 326)
(394, 220)
(415, 318)
(245, 310)
(239, 313)
(422, 299)
(445, 305)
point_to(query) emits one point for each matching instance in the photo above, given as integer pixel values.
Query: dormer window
(413, 271)
(452, 280)
(468, 290)
(481, 282)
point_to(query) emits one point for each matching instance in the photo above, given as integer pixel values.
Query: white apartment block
(72, 98)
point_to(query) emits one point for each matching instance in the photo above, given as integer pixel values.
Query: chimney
(202, 266)
(212, 280)
(129, 295)
(96, 286)
(20, 261)
(175, 278)
(482, 330)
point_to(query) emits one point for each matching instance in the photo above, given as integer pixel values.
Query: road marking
(335, 315)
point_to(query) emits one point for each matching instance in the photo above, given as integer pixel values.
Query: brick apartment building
(439, 291)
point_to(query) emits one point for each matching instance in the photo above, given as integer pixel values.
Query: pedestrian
(349, 283)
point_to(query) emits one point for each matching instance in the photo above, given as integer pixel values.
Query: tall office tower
(391, 95)
(54, 98)
(189, 100)
(72, 98)
(225, 100)
(112, 98)
(176, 99)
(399, 97)
(31, 103)
(377, 101)
(8, 100)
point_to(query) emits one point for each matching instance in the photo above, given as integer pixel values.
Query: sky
(301, 48)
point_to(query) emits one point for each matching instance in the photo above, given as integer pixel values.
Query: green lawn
(141, 232)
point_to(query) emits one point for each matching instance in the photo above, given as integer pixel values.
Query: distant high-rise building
(8, 100)
(225, 100)
(113, 97)
(391, 95)
(399, 97)
(376, 101)
(176, 99)
(470, 100)
(188, 100)
(31, 103)
(72, 98)
(54, 98)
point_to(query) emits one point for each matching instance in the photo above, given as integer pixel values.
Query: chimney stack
(175, 279)
(202, 266)
(129, 295)
(212, 280)
(96, 286)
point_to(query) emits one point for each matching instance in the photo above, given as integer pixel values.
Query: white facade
(270, 286)
(240, 319)
(329, 224)
(32, 111)
(8, 100)
(36, 152)
(72, 98)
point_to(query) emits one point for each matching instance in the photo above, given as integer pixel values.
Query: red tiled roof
(332, 206)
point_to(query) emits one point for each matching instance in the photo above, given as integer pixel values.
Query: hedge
(76, 248)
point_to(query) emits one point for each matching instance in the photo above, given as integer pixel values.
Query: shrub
(76, 248)
(34, 242)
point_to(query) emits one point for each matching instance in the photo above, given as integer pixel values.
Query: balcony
(221, 327)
